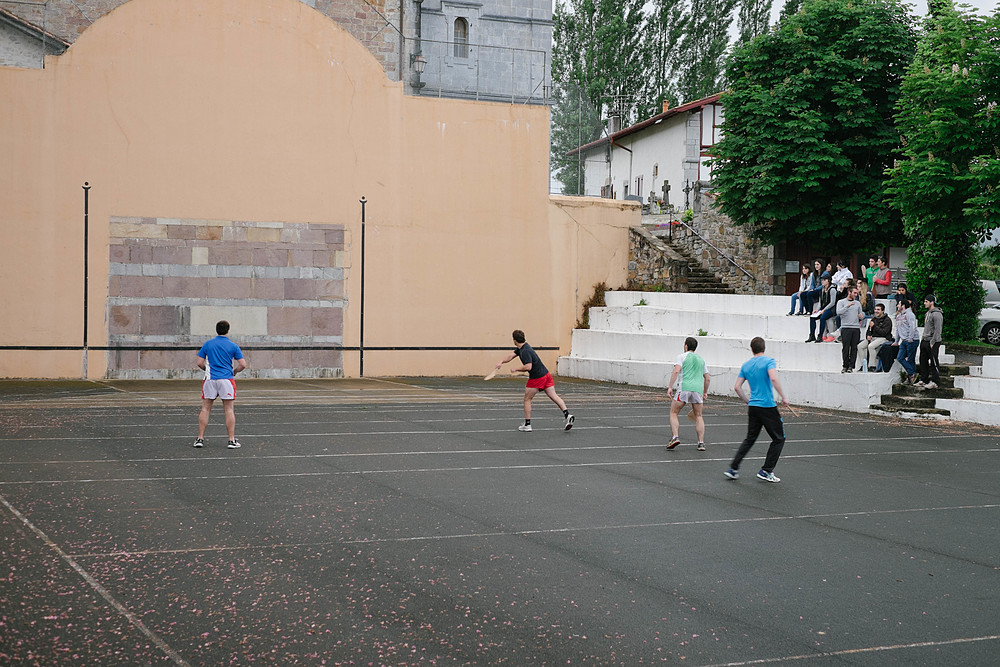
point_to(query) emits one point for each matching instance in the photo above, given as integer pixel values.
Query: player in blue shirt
(221, 359)
(762, 374)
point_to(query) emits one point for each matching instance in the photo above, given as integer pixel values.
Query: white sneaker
(569, 422)
(234, 444)
(768, 477)
(931, 385)
(199, 443)
(524, 427)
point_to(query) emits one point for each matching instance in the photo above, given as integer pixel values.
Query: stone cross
(666, 193)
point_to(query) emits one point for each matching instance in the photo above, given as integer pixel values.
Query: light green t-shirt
(692, 372)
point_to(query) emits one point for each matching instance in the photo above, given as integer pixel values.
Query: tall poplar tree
(598, 49)
(946, 116)
(703, 49)
(808, 130)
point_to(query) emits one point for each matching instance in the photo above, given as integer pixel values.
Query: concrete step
(972, 410)
(827, 388)
(896, 411)
(896, 401)
(940, 392)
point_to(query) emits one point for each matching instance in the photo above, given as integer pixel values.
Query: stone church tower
(491, 50)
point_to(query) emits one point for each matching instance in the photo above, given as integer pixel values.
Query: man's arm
(888, 279)
(200, 363)
(773, 374)
(704, 392)
(509, 357)
(673, 379)
(241, 364)
(739, 390)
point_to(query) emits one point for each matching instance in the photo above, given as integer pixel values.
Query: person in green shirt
(693, 390)
(870, 272)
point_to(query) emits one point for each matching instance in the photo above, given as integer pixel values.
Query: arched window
(461, 38)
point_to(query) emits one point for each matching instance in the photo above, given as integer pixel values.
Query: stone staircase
(699, 279)
(913, 400)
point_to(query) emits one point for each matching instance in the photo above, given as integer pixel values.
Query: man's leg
(529, 393)
(776, 429)
(675, 422)
(754, 425)
(206, 411)
(852, 336)
(699, 421)
(863, 347)
(551, 393)
(925, 358)
(873, 348)
(229, 408)
(935, 369)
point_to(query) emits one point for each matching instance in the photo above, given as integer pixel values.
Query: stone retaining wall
(762, 262)
(652, 263)
(278, 284)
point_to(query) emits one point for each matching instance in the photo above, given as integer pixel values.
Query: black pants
(770, 420)
(929, 361)
(850, 338)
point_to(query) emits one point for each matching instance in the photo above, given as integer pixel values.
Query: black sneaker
(199, 443)
(234, 444)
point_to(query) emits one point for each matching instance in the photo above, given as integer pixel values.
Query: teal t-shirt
(754, 372)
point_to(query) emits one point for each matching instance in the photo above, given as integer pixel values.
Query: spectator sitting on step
(842, 275)
(811, 296)
(903, 294)
(879, 333)
(827, 309)
(807, 281)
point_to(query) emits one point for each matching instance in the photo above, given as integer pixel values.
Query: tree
(597, 48)
(575, 122)
(703, 49)
(942, 185)
(754, 18)
(808, 130)
(665, 29)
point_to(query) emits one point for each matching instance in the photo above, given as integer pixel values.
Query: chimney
(666, 105)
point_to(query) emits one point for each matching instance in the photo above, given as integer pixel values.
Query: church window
(461, 38)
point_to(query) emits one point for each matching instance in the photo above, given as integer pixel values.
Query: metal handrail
(710, 245)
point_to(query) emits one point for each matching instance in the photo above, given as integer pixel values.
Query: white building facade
(654, 160)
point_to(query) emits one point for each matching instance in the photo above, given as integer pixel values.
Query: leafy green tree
(945, 117)
(808, 130)
(598, 49)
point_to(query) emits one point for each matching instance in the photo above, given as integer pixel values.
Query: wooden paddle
(492, 374)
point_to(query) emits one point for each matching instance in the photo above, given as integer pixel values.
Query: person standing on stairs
(930, 343)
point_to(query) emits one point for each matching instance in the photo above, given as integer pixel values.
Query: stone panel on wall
(161, 296)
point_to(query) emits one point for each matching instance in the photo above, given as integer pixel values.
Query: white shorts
(224, 389)
(689, 397)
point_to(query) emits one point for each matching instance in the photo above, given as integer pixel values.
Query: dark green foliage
(754, 18)
(808, 131)
(575, 122)
(949, 141)
(664, 30)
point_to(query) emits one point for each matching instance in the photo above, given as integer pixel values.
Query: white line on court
(539, 531)
(463, 452)
(93, 583)
(331, 434)
(855, 651)
(539, 466)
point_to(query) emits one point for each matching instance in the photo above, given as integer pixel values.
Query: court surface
(407, 521)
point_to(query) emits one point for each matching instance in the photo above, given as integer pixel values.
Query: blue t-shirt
(755, 371)
(219, 354)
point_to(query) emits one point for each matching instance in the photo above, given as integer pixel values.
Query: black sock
(527, 422)
(565, 413)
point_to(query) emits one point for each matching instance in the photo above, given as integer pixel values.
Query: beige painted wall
(265, 110)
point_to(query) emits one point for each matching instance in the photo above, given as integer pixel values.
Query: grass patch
(971, 347)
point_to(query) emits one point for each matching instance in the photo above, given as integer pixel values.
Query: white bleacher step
(971, 410)
(721, 303)
(828, 389)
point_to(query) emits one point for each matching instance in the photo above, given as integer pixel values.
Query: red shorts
(543, 382)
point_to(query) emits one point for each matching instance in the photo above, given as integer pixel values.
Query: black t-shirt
(529, 356)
